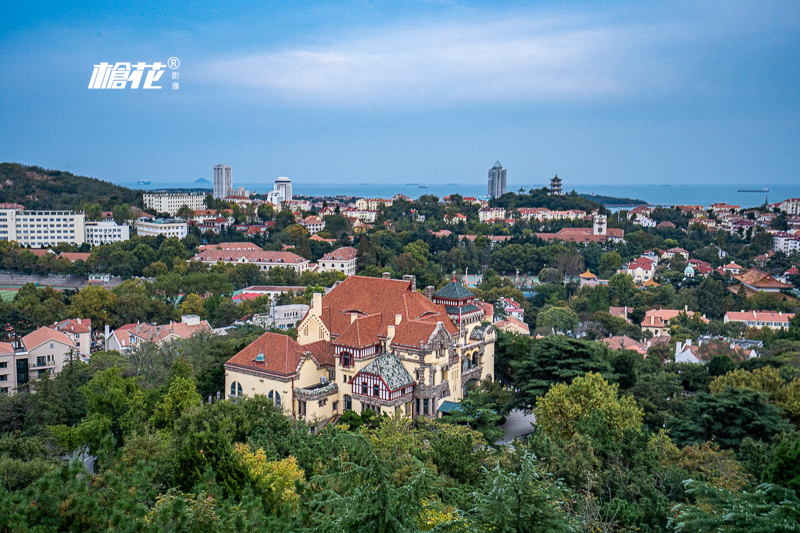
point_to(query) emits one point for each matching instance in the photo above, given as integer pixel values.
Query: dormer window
(260, 357)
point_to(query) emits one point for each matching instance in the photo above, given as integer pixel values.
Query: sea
(651, 194)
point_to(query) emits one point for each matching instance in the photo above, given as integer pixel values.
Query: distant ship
(412, 183)
(143, 182)
(423, 186)
(451, 184)
(754, 190)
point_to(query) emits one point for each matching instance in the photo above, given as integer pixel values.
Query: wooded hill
(39, 188)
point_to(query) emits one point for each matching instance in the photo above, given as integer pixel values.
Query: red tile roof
(74, 256)
(344, 253)
(74, 325)
(282, 355)
(362, 332)
(581, 235)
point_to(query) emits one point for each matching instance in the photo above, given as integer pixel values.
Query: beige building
(32, 357)
(371, 343)
(170, 203)
(79, 331)
(340, 260)
(264, 260)
(40, 228)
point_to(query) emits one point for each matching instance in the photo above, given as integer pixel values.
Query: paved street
(517, 424)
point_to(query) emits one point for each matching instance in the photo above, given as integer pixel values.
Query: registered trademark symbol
(174, 63)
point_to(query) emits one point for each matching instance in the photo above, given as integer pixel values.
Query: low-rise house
(512, 308)
(599, 232)
(641, 270)
(313, 224)
(38, 354)
(127, 337)
(755, 281)
(492, 214)
(273, 291)
(340, 260)
(279, 316)
(620, 312)
(732, 268)
(512, 325)
(79, 331)
(760, 319)
(656, 321)
(665, 224)
(672, 252)
(623, 342)
(455, 219)
(263, 260)
(686, 352)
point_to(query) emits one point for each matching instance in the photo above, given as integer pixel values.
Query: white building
(313, 224)
(790, 206)
(98, 233)
(280, 316)
(40, 228)
(223, 181)
(340, 260)
(170, 203)
(372, 204)
(169, 227)
(281, 192)
(264, 260)
(785, 242)
(759, 319)
(493, 213)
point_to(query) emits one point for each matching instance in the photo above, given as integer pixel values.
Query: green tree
(555, 359)
(558, 319)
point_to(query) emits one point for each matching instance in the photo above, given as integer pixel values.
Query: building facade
(497, 180)
(281, 191)
(223, 182)
(264, 260)
(41, 228)
(169, 227)
(340, 260)
(370, 343)
(170, 203)
(105, 232)
(34, 356)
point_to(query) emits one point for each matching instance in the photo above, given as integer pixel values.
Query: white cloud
(517, 59)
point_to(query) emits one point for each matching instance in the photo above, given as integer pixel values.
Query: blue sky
(614, 92)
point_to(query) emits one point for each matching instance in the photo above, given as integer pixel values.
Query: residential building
(543, 214)
(372, 204)
(512, 325)
(512, 308)
(790, 206)
(127, 337)
(279, 316)
(755, 281)
(759, 319)
(273, 291)
(40, 228)
(79, 331)
(641, 270)
(455, 218)
(672, 252)
(235, 246)
(555, 186)
(623, 342)
(340, 260)
(40, 353)
(370, 343)
(364, 215)
(497, 181)
(223, 182)
(787, 243)
(732, 268)
(656, 321)
(313, 224)
(492, 214)
(169, 227)
(104, 232)
(171, 202)
(264, 260)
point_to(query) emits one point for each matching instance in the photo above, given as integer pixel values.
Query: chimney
(353, 317)
(390, 332)
(79, 321)
(429, 290)
(316, 304)
(387, 275)
(412, 279)
(397, 319)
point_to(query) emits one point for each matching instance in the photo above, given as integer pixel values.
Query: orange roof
(580, 235)
(624, 342)
(74, 256)
(761, 280)
(588, 274)
(40, 252)
(43, 335)
(320, 239)
(762, 316)
(257, 256)
(412, 332)
(370, 296)
(281, 353)
(74, 325)
(230, 246)
(322, 352)
(363, 331)
(6, 348)
(341, 254)
(514, 322)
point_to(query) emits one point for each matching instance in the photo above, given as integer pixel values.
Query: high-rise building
(281, 192)
(40, 229)
(223, 181)
(497, 180)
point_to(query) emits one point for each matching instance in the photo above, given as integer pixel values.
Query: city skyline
(621, 93)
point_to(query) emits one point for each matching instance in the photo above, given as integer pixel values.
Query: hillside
(39, 188)
(613, 201)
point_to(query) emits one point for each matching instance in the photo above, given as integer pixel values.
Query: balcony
(442, 390)
(473, 373)
(316, 392)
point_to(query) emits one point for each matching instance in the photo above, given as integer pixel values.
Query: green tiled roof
(452, 310)
(454, 291)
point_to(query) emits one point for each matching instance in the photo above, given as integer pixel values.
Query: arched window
(348, 402)
(475, 359)
(236, 389)
(275, 397)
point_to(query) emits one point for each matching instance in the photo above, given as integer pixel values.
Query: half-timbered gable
(383, 383)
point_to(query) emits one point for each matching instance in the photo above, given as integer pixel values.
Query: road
(517, 424)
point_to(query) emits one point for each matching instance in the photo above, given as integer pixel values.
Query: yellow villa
(371, 343)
